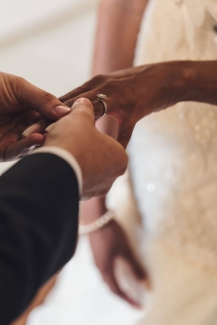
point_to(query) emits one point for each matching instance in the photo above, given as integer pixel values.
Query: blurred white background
(50, 43)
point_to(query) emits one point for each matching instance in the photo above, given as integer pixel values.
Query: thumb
(39, 100)
(81, 105)
(84, 106)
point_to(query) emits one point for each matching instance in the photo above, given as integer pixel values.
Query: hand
(21, 104)
(132, 94)
(108, 244)
(101, 158)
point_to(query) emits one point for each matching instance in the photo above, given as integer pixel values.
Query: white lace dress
(173, 162)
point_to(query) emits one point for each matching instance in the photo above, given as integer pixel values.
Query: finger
(98, 107)
(135, 265)
(48, 129)
(82, 105)
(89, 95)
(37, 99)
(36, 128)
(78, 92)
(20, 148)
(94, 83)
(137, 269)
(113, 284)
(44, 125)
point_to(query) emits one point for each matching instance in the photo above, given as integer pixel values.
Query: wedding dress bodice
(173, 153)
(173, 168)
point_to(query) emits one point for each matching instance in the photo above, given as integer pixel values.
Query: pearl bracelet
(97, 224)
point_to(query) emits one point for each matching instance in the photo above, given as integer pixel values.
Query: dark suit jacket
(38, 227)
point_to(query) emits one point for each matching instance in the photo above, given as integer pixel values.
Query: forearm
(116, 36)
(162, 85)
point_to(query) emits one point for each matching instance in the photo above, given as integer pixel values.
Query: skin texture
(101, 158)
(137, 92)
(22, 104)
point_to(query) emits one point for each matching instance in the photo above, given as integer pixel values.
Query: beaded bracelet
(97, 224)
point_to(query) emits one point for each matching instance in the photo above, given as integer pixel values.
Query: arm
(35, 242)
(116, 36)
(136, 92)
(39, 204)
(113, 51)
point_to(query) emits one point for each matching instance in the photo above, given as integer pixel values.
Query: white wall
(50, 44)
(47, 42)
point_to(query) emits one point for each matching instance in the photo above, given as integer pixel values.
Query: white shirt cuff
(65, 155)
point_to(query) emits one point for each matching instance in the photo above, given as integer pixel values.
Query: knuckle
(18, 83)
(68, 102)
(47, 97)
(20, 79)
(98, 78)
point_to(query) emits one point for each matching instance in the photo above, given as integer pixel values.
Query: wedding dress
(173, 166)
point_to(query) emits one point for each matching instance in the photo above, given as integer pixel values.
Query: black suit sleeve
(38, 227)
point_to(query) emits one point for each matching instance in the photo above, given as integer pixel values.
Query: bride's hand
(108, 244)
(132, 94)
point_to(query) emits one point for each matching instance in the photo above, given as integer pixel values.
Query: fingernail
(62, 110)
(32, 129)
(84, 101)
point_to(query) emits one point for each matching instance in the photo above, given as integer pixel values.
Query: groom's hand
(101, 158)
(21, 105)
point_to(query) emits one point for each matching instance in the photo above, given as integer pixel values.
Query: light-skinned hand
(108, 245)
(101, 158)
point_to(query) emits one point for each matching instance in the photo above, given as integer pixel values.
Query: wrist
(184, 81)
(190, 81)
(171, 82)
(92, 210)
(97, 225)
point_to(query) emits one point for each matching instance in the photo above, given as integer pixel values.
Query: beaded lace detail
(174, 153)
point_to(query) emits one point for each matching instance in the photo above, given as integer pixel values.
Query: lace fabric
(173, 153)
